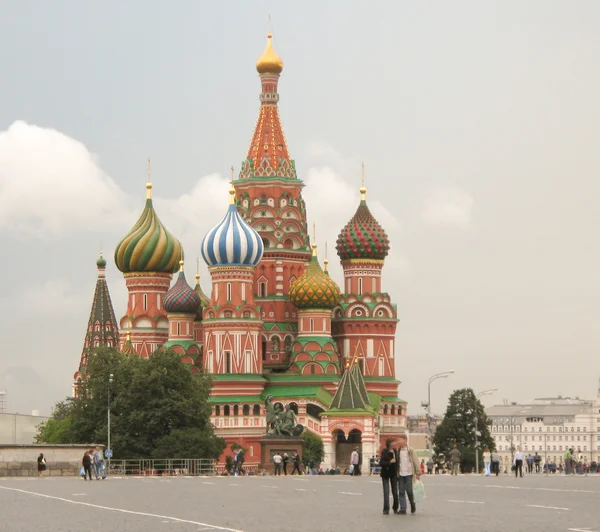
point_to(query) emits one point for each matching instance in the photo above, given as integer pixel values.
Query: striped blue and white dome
(232, 242)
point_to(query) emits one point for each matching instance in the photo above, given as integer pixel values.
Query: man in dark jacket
(388, 474)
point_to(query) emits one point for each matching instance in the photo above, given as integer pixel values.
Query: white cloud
(331, 202)
(447, 206)
(51, 184)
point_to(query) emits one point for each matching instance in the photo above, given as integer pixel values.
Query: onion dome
(181, 297)
(128, 348)
(101, 262)
(315, 289)
(363, 237)
(269, 62)
(232, 242)
(148, 247)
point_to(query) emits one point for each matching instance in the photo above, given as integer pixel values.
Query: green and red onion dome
(315, 289)
(148, 247)
(363, 237)
(181, 298)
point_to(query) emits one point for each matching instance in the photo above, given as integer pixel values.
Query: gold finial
(197, 270)
(232, 171)
(181, 265)
(149, 182)
(326, 261)
(314, 231)
(232, 195)
(363, 190)
(314, 248)
(269, 62)
(347, 363)
(129, 335)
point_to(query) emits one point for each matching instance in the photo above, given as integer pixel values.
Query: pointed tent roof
(352, 392)
(268, 155)
(102, 330)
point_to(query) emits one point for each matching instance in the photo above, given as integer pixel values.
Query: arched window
(236, 410)
(360, 285)
(265, 242)
(385, 410)
(226, 410)
(288, 344)
(228, 291)
(246, 410)
(288, 244)
(262, 289)
(228, 362)
(264, 348)
(256, 410)
(217, 410)
(294, 407)
(275, 345)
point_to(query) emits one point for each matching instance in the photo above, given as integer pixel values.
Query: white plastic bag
(418, 490)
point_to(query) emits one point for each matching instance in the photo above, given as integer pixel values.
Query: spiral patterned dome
(181, 297)
(363, 237)
(315, 289)
(232, 242)
(148, 247)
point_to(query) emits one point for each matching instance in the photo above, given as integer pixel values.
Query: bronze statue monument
(281, 422)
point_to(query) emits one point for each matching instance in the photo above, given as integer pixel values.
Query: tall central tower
(269, 197)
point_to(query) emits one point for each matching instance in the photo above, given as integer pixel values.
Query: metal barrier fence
(168, 467)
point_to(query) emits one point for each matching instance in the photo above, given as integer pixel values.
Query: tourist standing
(455, 459)
(430, 465)
(297, 461)
(518, 462)
(408, 469)
(99, 464)
(537, 460)
(86, 462)
(487, 462)
(285, 461)
(388, 474)
(496, 463)
(529, 463)
(355, 462)
(277, 461)
(41, 464)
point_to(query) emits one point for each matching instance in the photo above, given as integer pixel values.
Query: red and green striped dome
(148, 247)
(315, 289)
(181, 297)
(363, 237)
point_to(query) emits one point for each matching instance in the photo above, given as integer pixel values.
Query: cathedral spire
(268, 154)
(102, 329)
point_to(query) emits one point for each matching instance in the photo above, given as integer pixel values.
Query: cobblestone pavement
(297, 504)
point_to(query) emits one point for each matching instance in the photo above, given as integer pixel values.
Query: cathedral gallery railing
(163, 468)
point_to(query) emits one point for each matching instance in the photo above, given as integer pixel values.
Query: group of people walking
(399, 469)
(93, 460)
(279, 461)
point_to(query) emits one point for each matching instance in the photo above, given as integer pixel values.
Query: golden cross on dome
(232, 170)
(149, 182)
(363, 190)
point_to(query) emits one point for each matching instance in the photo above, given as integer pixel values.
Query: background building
(548, 426)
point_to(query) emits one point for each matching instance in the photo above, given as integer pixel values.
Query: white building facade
(548, 427)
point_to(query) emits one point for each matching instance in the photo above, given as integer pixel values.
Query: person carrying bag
(388, 474)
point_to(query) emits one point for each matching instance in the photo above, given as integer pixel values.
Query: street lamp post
(110, 381)
(480, 394)
(427, 405)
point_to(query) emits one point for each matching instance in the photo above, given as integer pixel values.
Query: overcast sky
(477, 123)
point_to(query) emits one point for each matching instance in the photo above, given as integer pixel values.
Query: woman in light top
(487, 461)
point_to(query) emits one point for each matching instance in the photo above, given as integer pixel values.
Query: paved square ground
(297, 504)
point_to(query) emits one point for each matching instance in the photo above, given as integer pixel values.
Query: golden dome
(269, 62)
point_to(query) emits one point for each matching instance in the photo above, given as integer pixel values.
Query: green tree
(313, 449)
(57, 429)
(458, 427)
(149, 398)
(189, 443)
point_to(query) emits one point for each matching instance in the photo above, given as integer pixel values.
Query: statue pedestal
(269, 445)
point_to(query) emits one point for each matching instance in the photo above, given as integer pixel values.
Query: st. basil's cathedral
(275, 323)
